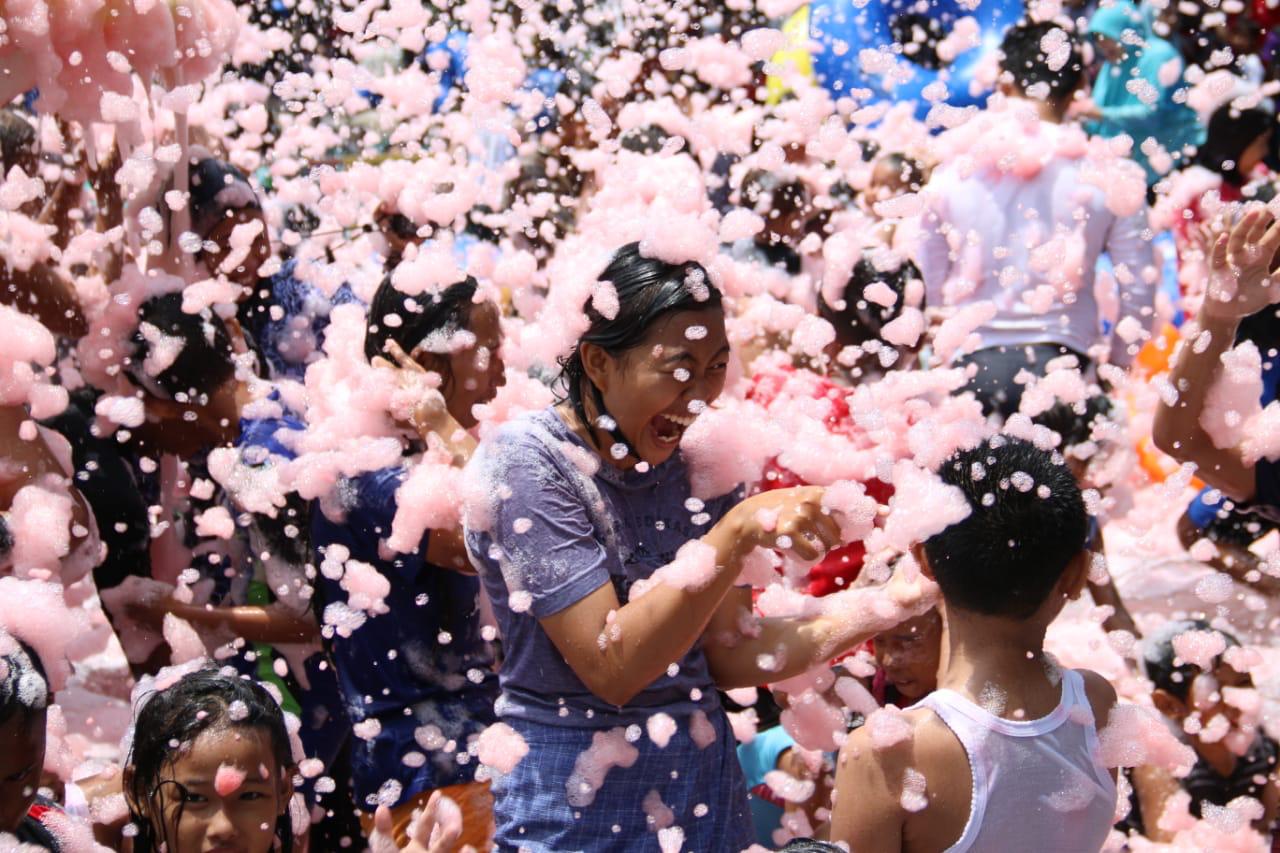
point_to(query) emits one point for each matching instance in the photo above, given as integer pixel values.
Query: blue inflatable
(841, 29)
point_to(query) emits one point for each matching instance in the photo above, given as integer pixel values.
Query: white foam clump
(788, 787)
(608, 749)
(501, 747)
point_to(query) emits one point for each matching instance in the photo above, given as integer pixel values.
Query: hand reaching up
(1240, 267)
(436, 829)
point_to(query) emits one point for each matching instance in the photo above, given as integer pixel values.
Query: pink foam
(228, 780)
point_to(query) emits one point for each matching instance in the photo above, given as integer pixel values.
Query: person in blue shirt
(418, 679)
(1132, 93)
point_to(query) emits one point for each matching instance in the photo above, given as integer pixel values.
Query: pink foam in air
(1134, 736)
(660, 727)
(501, 747)
(228, 780)
(608, 749)
(921, 506)
(1233, 397)
(1199, 647)
(888, 727)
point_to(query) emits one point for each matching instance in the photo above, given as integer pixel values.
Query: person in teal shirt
(1154, 107)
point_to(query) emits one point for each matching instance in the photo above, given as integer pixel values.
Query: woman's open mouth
(668, 429)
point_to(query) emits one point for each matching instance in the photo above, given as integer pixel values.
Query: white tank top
(1036, 784)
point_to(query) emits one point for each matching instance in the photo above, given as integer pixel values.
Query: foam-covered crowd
(440, 425)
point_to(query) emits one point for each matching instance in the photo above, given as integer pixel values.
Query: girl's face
(910, 654)
(476, 372)
(228, 795)
(21, 760)
(655, 390)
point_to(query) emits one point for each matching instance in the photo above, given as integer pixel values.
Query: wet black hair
(648, 290)
(1075, 427)
(649, 139)
(1025, 59)
(17, 138)
(419, 316)
(209, 177)
(1227, 135)
(905, 166)
(786, 195)
(856, 320)
(203, 364)
(1158, 657)
(1006, 556)
(24, 685)
(170, 720)
(809, 845)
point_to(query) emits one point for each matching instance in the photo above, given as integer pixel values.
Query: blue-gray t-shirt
(544, 538)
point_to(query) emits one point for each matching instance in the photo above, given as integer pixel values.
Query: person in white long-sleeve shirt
(1019, 215)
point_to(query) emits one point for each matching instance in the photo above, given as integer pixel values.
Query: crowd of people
(580, 427)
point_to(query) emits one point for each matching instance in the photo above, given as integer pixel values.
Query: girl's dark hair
(207, 177)
(24, 686)
(859, 321)
(204, 362)
(1159, 657)
(418, 316)
(170, 720)
(648, 290)
(1228, 134)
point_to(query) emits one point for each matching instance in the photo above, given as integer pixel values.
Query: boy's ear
(1074, 578)
(1168, 704)
(917, 551)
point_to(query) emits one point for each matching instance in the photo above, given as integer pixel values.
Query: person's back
(1018, 216)
(1003, 756)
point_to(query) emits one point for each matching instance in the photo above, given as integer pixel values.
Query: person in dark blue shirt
(416, 673)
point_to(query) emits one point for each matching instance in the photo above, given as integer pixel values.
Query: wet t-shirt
(552, 531)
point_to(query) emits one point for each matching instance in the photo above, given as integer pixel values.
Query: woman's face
(228, 795)
(22, 740)
(476, 372)
(245, 272)
(655, 390)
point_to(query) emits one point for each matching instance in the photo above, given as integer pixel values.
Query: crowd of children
(580, 427)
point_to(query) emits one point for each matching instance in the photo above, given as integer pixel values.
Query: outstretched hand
(434, 830)
(1241, 281)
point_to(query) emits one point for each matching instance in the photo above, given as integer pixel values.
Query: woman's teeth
(683, 420)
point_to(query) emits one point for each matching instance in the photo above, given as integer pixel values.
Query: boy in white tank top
(1003, 756)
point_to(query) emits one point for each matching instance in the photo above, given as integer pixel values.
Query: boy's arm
(1153, 787)
(1102, 698)
(866, 808)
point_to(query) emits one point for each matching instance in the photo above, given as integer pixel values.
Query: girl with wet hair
(210, 767)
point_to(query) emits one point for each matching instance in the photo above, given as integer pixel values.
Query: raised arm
(617, 651)
(1239, 285)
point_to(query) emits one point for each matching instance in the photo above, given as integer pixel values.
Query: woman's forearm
(256, 624)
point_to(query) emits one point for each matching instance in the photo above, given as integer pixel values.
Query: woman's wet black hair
(202, 365)
(24, 686)
(1227, 135)
(419, 317)
(648, 290)
(1161, 660)
(858, 320)
(170, 720)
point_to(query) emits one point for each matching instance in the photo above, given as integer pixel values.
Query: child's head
(1043, 61)
(24, 696)
(893, 175)
(210, 767)
(855, 318)
(1076, 429)
(909, 654)
(1020, 552)
(1182, 689)
(449, 333)
(222, 199)
(783, 202)
(184, 361)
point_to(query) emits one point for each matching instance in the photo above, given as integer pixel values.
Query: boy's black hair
(1025, 59)
(809, 845)
(856, 320)
(648, 290)
(1229, 132)
(24, 686)
(17, 139)
(1158, 657)
(203, 364)
(419, 316)
(1006, 556)
(787, 195)
(1075, 427)
(170, 720)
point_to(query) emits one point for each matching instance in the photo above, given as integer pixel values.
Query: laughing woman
(614, 691)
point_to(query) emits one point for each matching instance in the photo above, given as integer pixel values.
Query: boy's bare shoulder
(1101, 695)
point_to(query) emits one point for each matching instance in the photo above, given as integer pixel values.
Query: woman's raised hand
(436, 829)
(787, 520)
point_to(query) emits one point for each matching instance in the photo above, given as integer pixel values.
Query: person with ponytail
(616, 589)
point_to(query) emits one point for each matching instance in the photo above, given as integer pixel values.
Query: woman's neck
(594, 437)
